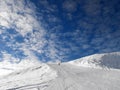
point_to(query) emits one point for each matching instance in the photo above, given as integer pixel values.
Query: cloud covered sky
(51, 30)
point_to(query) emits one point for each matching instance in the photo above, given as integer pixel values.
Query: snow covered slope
(106, 60)
(7, 67)
(69, 77)
(27, 72)
(33, 75)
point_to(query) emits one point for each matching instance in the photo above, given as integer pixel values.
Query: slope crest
(105, 60)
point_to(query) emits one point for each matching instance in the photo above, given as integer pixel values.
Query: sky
(53, 30)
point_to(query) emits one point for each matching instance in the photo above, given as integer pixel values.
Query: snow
(106, 60)
(7, 67)
(73, 75)
(33, 75)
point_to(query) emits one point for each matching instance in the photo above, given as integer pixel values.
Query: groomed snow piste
(73, 75)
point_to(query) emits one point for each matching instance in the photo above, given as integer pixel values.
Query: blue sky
(51, 30)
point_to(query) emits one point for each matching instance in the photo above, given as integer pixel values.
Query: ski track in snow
(72, 77)
(40, 86)
(95, 72)
(65, 80)
(79, 78)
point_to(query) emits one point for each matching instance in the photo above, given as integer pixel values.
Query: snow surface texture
(7, 67)
(65, 76)
(106, 60)
(27, 73)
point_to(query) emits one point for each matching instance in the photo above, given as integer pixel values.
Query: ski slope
(69, 77)
(79, 78)
(66, 76)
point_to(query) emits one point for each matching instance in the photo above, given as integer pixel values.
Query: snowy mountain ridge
(105, 60)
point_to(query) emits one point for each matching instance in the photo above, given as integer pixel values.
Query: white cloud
(0, 31)
(20, 16)
(70, 5)
(17, 15)
(85, 46)
(48, 7)
(9, 58)
(92, 7)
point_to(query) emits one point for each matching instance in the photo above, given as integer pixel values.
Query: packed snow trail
(95, 72)
(79, 78)
(69, 77)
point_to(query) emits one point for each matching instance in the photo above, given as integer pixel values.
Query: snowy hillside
(34, 75)
(27, 72)
(8, 66)
(106, 60)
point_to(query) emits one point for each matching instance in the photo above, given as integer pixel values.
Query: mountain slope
(71, 77)
(106, 60)
(26, 73)
(8, 66)
(67, 76)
